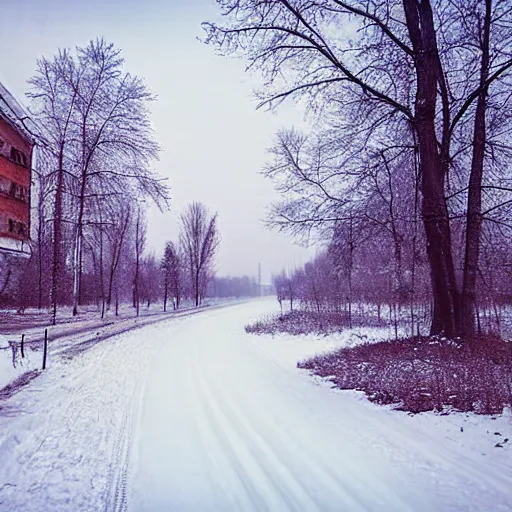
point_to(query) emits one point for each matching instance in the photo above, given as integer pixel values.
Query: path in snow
(226, 426)
(195, 415)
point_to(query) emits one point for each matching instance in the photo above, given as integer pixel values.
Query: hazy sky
(214, 141)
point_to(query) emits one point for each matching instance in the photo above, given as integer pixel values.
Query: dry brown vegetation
(426, 373)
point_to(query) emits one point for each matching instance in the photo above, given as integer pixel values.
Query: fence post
(45, 348)
(22, 351)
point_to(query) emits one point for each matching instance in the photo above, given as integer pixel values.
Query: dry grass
(310, 322)
(425, 373)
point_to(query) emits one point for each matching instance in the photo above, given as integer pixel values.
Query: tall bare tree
(140, 243)
(172, 271)
(117, 235)
(379, 63)
(54, 105)
(95, 123)
(114, 132)
(199, 239)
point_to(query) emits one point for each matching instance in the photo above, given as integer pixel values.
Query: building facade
(16, 149)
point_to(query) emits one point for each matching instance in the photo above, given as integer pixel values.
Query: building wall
(14, 185)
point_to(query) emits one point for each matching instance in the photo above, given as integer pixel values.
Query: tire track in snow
(118, 478)
(207, 437)
(259, 453)
(260, 460)
(116, 501)
(74, 443)
(289, 483)
(296, 492)
(334, 475)
(280, 480)
(217, 427)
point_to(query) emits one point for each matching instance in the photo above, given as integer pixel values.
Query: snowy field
(195, 414)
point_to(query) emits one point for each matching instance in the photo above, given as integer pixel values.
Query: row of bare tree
(118, 268)
(188, 265)
(93, 170)
(409, 154)
(351, 276)
(93, 179)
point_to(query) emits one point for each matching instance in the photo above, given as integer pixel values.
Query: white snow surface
(193, 414)
(71, 331)
(10, 371)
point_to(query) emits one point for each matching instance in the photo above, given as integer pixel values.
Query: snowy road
(227, 426)
(195, 415)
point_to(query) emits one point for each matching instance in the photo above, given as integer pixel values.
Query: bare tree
(380, 64)
(172, 270)
(43, 210)
(113, 125)
(95, 125)
(199, 239)
(140, 243)
(54, 105)
(117, 235)
(150, 280)
(279, 283)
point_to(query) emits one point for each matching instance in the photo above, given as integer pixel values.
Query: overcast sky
(214, 140)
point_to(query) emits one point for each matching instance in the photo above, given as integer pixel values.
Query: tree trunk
(102, 276)
(136, 287)
(351, 247)
(166, 286)
(110, 283)
(474, 214)
(178, 293)
(136, 278)
(197, 288)
(77, 259)
(76, 269)
(57, 235)
(80, 270)
(116, 255)
(445, 317)
(40, 247)
(415, 236)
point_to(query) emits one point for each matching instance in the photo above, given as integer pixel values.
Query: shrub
(426, 373)
(309, 322)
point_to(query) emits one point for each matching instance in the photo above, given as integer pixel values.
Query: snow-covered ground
(12, 365)
(194, 414)
(60, 337)
(71, 331)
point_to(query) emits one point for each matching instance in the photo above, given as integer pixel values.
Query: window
(17, 228)
(8, 188)
(20, 193)
(5, 186)
(18, 157)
